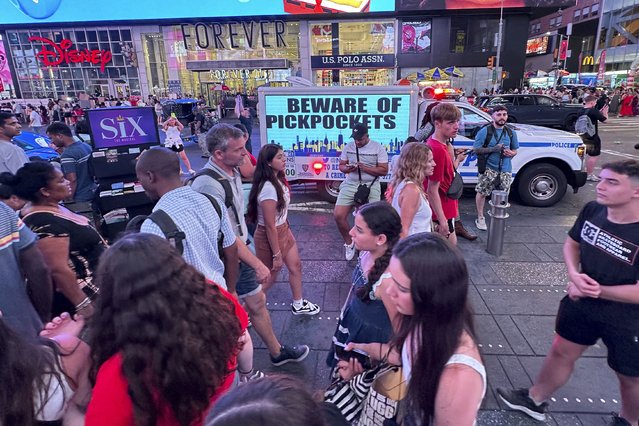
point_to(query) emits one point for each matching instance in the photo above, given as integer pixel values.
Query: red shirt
(444, 173)
(111, 405)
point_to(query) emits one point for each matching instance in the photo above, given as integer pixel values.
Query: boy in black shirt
(593, 143)
(602, 258)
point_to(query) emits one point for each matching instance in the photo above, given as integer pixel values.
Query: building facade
(377, 43)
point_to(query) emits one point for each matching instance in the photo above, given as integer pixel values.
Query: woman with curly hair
(435, 343)
(164, 340)
(275, 244)
(367, 314)
(406, 190)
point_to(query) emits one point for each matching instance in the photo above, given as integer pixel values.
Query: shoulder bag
(363, 191)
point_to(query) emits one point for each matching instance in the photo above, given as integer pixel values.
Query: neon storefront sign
(54, 54)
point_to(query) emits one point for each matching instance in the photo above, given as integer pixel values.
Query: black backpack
(169, 228)
(228, 191)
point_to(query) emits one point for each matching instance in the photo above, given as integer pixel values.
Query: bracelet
(86, 302)
(279, 253)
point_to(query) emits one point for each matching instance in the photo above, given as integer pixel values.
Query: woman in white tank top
(406, 189)
(434, 343)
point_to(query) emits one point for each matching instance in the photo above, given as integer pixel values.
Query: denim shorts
(247, 284)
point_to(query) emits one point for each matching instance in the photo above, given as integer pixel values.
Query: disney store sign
(53, 54)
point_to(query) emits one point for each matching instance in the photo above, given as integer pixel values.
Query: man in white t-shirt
(35, 120)
(365, 170)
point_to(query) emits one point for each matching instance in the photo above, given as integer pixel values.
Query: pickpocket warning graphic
(614, 246)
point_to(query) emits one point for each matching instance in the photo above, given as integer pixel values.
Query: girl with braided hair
(367, 316)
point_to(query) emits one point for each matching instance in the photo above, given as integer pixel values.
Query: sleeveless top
(172, 137)
(454, 359)
(58, 394)
(423, 216)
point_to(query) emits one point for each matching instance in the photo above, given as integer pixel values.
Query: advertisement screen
(67, 11)
(537, 46)
(416, 37)
(123, 127)
(413, 5)
(321, 125)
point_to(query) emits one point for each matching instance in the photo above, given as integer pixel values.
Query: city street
(515, 296)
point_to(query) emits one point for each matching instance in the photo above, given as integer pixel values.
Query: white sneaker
(592, 178)
(480, 223)
(307, 308)
(350, 250)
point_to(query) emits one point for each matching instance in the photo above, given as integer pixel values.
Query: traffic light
(491, 63)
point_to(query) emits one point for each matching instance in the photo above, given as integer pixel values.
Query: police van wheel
(541, 185)
(328, 190)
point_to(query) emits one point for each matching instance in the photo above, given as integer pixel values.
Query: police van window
(546, 101)
(525, 100)
(470, 122)
(501, 100)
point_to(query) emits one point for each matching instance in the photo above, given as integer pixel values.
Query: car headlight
(581, 151)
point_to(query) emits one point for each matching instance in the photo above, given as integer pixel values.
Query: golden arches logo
(588, 60)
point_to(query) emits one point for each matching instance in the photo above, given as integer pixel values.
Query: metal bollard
(496, 228)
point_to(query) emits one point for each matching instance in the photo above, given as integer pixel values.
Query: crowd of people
(152, 328)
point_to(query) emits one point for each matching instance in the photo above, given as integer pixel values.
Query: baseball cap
(359, 130)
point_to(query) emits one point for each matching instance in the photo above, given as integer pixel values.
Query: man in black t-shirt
(602, 259)
(593, 143)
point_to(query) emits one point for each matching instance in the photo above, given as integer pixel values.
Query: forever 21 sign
(353, 61)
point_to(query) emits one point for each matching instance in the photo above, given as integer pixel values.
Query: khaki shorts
(486, 181)
(263, 248)
(347, 191)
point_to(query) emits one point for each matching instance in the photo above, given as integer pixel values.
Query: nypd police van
(313, 124)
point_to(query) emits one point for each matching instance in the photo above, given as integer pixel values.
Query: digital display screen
(123, 127)
(537, 46)
(66, 11)
(321, 125)
(412, 5)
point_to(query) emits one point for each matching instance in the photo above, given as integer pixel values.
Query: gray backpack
(584, 126)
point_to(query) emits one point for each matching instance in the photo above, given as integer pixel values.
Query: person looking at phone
(435, 341)
(367, 314)
(495, 145)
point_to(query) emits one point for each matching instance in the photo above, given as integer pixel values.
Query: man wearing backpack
(495, 145)
(203, 121)
(194, 216)
(589, 132)
(221, 178)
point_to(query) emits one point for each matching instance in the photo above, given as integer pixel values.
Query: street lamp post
(499, 36)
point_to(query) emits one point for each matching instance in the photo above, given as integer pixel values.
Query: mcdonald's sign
(588, 60)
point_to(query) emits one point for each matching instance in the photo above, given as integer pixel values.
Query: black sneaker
(518, 399)
(618, 421)
(291, 354)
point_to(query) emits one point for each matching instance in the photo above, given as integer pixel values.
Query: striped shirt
(75, 159)
(16, 307)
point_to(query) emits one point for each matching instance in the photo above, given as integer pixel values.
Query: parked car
(540, 110)
(37, 147)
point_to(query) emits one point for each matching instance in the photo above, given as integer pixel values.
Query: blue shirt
(194, 215)
(75, 159)
(493, 159)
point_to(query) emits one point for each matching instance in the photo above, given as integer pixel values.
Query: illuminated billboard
(68, 11)
(322, 125)
(414, 5)
(537, 46)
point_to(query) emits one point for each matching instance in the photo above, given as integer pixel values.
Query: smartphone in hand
(361, 356)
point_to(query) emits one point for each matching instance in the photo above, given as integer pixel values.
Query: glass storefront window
(469, 34)
(353, 38)
(244, 81)
(69, 79)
